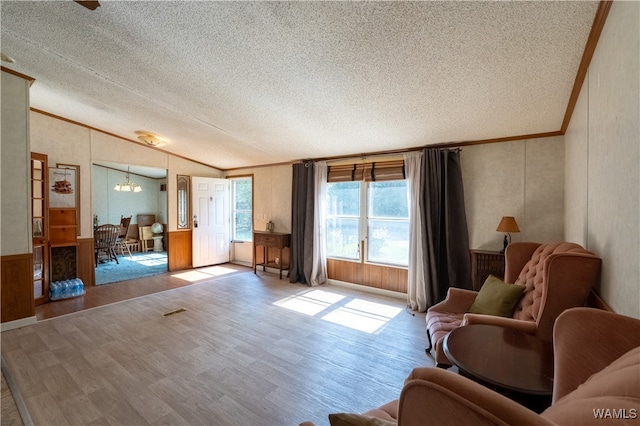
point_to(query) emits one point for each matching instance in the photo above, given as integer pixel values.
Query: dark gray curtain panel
(446, 242)
(302, 212)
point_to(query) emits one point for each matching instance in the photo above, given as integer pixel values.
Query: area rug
(140, 265)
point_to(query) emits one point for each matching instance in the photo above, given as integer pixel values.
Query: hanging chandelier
(127, 185)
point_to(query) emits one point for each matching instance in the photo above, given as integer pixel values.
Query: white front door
(210, 221)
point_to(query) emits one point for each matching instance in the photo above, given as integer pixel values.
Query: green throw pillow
(497, 298)
(350, 419)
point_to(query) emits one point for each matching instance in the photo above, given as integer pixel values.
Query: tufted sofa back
(557, 276)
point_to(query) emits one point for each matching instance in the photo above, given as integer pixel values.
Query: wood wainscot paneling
(86, 261)
(17, 287)
(377, 276)
(179, 250)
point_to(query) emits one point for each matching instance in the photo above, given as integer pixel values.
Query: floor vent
(177, 311)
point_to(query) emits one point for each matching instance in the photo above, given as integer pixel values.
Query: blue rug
(142, 265)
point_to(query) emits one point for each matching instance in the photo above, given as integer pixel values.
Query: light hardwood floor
(248, 350)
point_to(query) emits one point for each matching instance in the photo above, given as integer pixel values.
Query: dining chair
(123, 243)
(146, 238)
(105, 237)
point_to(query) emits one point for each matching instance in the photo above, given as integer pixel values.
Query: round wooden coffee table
(516, 364)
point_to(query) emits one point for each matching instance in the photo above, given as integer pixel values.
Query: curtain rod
(352, 157)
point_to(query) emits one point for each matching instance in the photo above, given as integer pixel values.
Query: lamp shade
(508, 224)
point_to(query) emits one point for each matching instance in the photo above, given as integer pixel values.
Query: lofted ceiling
(239, 84)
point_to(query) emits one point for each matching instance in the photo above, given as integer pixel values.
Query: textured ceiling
(234, 84)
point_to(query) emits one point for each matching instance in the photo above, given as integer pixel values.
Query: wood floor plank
(248, 350)
(44, 410)
(89, 414)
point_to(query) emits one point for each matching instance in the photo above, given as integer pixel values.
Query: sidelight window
(242, 208)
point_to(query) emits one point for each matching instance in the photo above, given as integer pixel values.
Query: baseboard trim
(22, 322)
(367, 289)
(17, 396)
(359, 287)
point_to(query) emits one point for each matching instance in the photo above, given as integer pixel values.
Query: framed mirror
(183, 202)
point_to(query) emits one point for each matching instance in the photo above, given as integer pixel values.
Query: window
(242, 208)
(374, 212)
(388, 222)
(343, 220)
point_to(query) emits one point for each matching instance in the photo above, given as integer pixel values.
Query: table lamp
(507, 224)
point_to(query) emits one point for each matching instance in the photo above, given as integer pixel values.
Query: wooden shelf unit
(63, 242)
(485, 263)
(62, 227)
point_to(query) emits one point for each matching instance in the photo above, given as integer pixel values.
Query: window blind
(369, 172)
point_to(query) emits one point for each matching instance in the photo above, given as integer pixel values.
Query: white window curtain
(416, 291)
(319, 267)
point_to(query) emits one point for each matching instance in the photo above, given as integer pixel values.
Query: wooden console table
(276, 240)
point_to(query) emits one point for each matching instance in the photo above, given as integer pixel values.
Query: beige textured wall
(604, 135)
(271, 195)
(576, 173)
(110, 205)
(68, 143)
(272, 201)
(524, 179)
(15, 173)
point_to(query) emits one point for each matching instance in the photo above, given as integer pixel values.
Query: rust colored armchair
(556, 276)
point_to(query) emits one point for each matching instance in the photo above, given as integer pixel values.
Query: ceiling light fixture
(151, 139)
(127, 185)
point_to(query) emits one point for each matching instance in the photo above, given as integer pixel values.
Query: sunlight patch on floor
(150, 259)
(191, 276)
(363, 315)
(310, 302)
(357, 314)
(216, 271)
(204, 273)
